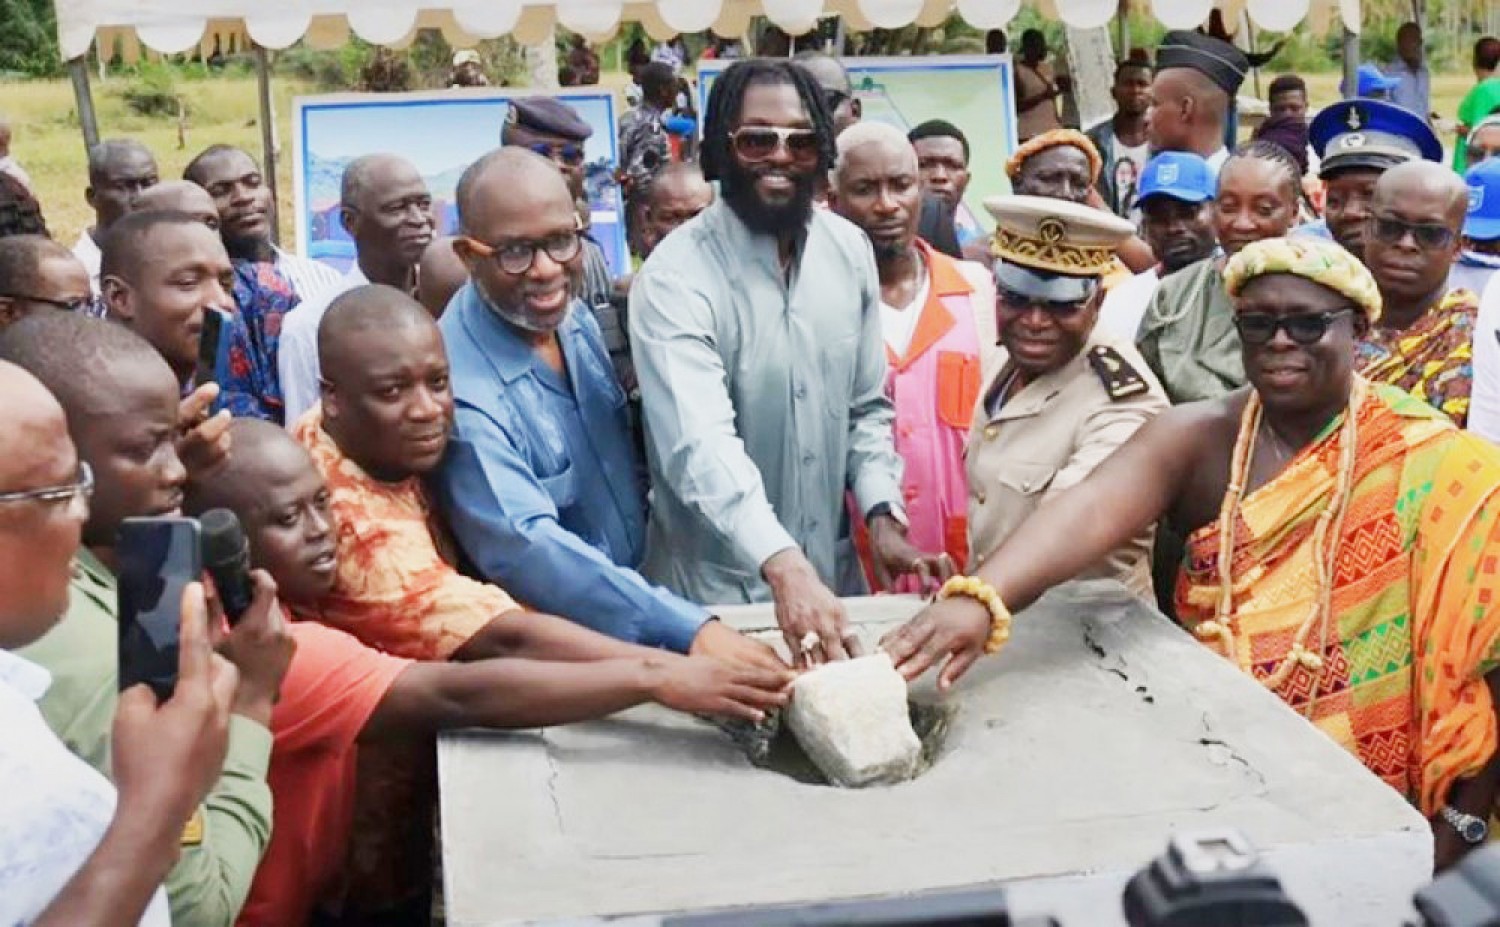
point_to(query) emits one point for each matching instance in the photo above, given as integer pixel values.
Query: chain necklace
(1325, 549)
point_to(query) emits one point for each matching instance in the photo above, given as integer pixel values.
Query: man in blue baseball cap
(1358, 141)
(1480, 257)
(1176, 201)
(1371, 84)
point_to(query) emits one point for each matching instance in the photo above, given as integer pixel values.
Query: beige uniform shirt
(1049, 435)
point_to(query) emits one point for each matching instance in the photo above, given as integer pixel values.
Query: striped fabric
(308, 278)
(1416, 578)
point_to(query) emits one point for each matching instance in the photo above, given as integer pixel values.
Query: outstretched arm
(1063, 537)
(508, 693)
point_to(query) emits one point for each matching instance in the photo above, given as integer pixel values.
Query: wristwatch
(1473, 830)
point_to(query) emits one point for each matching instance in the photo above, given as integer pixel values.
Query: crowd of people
(484, 484)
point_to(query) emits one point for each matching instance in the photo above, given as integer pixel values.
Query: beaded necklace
(1325, 548)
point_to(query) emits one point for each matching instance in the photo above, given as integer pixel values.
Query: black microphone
(226, 556)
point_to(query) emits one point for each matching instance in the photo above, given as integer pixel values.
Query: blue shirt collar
(509, 354)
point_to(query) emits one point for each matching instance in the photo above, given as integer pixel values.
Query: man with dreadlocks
(1340, 536)
(757, 337)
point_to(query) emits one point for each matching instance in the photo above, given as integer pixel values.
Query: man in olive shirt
(121, 402)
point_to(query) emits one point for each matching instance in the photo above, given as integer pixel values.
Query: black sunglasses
(1019, 302)
(1429, 237)
(1307, 328)
(569, 154)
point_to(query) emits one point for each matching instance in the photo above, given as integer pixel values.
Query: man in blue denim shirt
(542, 485)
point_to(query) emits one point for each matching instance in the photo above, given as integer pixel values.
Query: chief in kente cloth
(1062, 397)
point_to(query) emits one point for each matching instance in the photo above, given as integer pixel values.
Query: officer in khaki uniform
(1059, 397)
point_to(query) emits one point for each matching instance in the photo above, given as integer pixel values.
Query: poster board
(974, 92)
(441, 132)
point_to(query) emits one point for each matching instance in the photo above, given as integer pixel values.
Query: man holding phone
(76, 850)
(122, 408)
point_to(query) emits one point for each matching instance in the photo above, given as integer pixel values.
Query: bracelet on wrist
(972, 587)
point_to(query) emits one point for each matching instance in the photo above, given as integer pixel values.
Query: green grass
(224, 109)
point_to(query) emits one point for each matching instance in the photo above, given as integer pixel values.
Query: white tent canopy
(171, 26)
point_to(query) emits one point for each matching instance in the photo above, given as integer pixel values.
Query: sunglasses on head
(1429, 237)
(757, 143)
(569, 154)
(1258, 328)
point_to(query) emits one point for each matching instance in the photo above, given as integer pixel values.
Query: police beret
(548, 116)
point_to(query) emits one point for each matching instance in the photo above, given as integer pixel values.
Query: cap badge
(1355, 119)
(1167, 174)
(1051, 230)
(1352, 140)
(1476, 199)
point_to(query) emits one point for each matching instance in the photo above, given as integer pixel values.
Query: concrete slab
(1099, 731)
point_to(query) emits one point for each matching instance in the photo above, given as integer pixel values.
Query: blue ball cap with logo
(1483, 220)
(1370, 80)
(1180, 175)
(1370, 134)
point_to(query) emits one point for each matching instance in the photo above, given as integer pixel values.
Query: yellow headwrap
(1052, 139)
(1310, 258)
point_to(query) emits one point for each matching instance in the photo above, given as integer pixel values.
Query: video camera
(1213, 879)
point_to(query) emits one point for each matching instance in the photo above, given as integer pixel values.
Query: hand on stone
(895, 556)
(723, 643)
(953, 630)
(812, 618)
(706, 686)
(202, 440)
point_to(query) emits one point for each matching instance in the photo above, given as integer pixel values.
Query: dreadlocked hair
(1263, 150)
(727, 99)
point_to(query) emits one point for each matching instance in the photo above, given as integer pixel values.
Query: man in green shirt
(1481, 101)
(121, 401)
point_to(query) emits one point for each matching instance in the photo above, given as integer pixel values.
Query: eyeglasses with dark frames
(1306, 328)
(516, 257)
(76, 304)
(84, 487)
(1428, 236)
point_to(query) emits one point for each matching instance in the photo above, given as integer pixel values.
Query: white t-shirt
(1125, 305)
(1128, 162)
(899, 325)
(1484, 401)
(56, 807)
(88, 253)
(297, 355)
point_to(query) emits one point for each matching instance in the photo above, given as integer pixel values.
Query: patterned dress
(1433, 359)
(1416, 574)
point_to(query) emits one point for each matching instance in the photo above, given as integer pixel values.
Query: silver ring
(810, 641)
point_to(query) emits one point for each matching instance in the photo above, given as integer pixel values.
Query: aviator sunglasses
(757, 143)
(1304, 329)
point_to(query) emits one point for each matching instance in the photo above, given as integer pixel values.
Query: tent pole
(78, 70)
(1351, 60)
(268, 135)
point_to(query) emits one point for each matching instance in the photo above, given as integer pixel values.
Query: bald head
(119, 170)
(79, 359)
(873, 139)
(677, 194)
(1425, 179)
(179, 196)
(440, 274)
(344, 335)
(368, 175)
(829, 73)
(262, 452)
(38, 538)
(500, 180)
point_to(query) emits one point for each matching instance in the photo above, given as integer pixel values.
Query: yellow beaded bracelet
(973, 587)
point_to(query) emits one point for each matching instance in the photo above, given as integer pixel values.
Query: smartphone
(207, 367)
(158, 557)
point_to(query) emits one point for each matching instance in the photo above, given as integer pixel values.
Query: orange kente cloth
(1415, 623)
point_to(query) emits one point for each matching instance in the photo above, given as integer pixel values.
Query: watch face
(1474, 831)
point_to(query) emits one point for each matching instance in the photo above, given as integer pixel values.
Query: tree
(28, 42)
